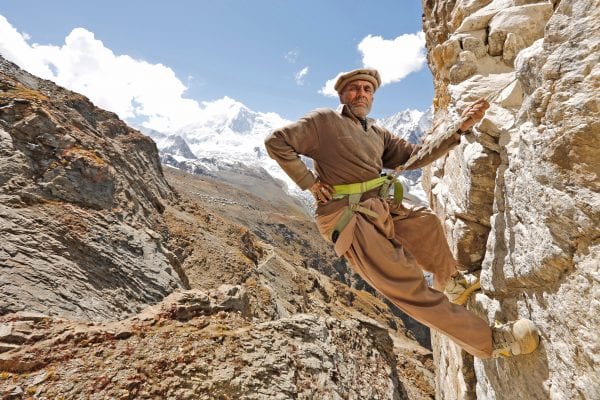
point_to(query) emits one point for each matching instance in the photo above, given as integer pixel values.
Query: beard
(360, 110)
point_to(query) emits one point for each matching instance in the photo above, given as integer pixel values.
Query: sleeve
(396, 151)
(438, 144)
(285, 145)
(436, 151)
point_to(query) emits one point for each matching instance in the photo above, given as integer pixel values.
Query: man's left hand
(473, 114)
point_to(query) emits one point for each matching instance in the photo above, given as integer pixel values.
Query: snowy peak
(176, 146)
(408, 124)
(227, 116)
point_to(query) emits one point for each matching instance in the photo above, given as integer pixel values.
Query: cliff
(81, 197)
(520, 196)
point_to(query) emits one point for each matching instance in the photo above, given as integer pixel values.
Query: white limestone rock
(542, 257)
(481, 18)
(464, 68)
(526, 23)
(474, 45)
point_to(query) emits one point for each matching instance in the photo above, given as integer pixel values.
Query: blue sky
(273, 56)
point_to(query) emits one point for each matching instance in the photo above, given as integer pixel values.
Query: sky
(159, 64)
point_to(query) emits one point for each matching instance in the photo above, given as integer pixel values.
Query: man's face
(358, 95)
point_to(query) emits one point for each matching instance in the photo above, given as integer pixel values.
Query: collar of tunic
(344, 110)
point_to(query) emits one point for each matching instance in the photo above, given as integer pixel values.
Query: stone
(10, 333)
(465, 8)
(123, 334)
(512, 96)
(464, 68)
(8, 347)
(480, 18)
(451, 51)
(525, 22)
(31, 316)
(512, 46)
(474, 45)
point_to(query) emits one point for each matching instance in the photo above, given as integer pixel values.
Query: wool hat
(366, 74)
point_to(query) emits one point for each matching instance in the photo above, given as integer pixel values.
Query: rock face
(81, 232)
(520, 196)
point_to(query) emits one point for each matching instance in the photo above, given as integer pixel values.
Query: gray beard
(352, 109)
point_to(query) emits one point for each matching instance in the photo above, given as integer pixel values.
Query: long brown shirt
(342, 151)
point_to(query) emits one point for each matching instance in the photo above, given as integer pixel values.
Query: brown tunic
(342, 151)
(391, 251)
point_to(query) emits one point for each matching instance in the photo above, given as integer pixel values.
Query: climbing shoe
(460, 287)
(514, 338)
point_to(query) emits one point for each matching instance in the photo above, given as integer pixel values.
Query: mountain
(409, 124)
(82, 232)
(229, 137)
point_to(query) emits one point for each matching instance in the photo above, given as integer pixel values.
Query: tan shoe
(461, 286)
(515, 338)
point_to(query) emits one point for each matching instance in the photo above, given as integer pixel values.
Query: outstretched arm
(440, 145)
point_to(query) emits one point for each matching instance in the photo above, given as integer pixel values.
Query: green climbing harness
(354, 192)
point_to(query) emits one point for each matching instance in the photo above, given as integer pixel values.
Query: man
(387, 244)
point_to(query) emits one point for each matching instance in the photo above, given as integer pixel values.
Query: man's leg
(420, 232)
(395, 273)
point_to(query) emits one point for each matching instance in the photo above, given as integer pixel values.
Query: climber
(386, 243)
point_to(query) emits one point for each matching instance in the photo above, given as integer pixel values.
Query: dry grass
(19, 91)
(91, 156)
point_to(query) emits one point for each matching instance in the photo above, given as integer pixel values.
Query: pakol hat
(366, 74)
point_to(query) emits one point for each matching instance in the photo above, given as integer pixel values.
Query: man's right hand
(321, 191)
(473, 114)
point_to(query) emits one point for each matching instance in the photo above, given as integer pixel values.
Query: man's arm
(439, 146)
(285, 145)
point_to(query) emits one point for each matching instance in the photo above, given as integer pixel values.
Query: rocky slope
(520, 197)
(241, 306)
(81, 197)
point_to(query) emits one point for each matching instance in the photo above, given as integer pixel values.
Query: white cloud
(300, 75)
(394, 59)
(327, 89)
(292, 56)
(129, 87)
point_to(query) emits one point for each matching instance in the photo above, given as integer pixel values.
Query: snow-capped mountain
(229, 137)
(409, 124)
(226, 138)
(229, 129)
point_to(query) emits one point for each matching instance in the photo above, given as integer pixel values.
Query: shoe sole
(462, 299)
(526, 334)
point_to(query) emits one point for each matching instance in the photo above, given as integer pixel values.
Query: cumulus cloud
(394, 59)
(300, 75)
(327, 89)
(134, 89)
